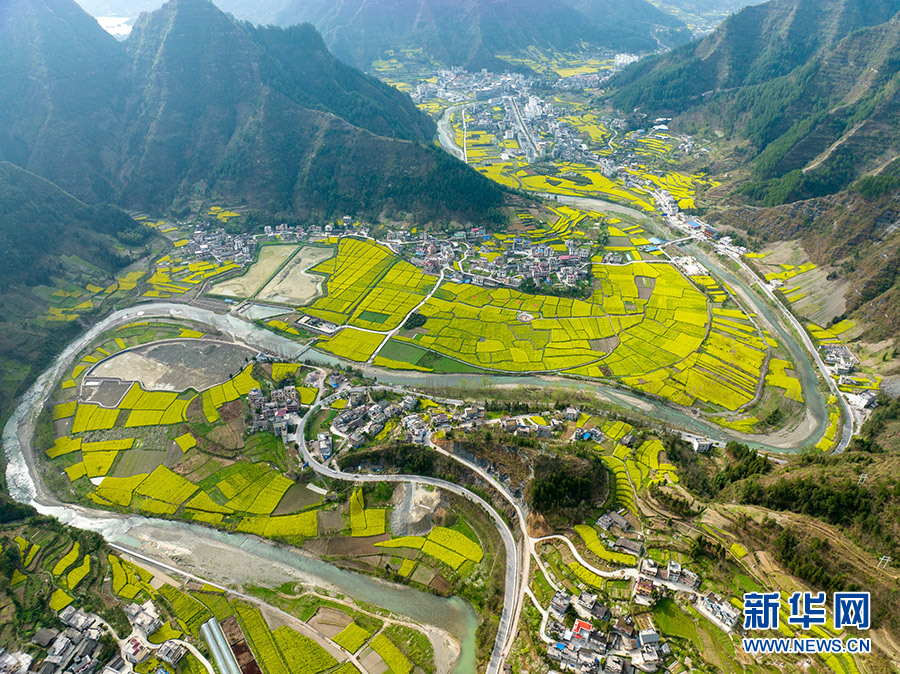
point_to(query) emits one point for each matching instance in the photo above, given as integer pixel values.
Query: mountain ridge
(811, 85)
(471, 33)
(39, 221)
(195, 103)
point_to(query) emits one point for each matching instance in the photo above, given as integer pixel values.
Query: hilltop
(808, 87)
(195, 103)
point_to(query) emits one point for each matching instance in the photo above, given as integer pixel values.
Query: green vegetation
(812, 131)
(303, 654)
(414, 645)
(393, 656)
(352, 637)
(672, 621)
(44, 567)
(189, 612)
(365, 521)
(369, 287)
(568, 488)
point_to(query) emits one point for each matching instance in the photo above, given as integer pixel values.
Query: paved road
(850, 422)
(509, 617)
(514, 104)
(393, 333)
(629, 573)
(298, 624)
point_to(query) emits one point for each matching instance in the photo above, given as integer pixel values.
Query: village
(77, 648)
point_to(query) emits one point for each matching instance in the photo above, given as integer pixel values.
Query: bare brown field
(293, 284)
(270, 259)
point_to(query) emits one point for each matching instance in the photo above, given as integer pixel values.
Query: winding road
(518, 557)
(515, 570)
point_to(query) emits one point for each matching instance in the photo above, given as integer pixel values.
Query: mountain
(811, 84)
(60, 75)
(471, 33)
(855, 231)
(49, 238)
(39, 222)
(197, 103)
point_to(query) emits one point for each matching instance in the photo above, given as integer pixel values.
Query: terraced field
(448, 546)
(160, 453)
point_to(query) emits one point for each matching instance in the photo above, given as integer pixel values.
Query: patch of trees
(10, 511)
(873, 187)
(690, 469)
(569, 488)
(559, 489)
(582, 289)
(404, 457)
(809, 560)
(704, 548)
(415, 320)
(837, 504)
(675, 504)
(746, 462)
(513, 407)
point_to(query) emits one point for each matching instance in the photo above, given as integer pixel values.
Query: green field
(368, 286)
(645, 323)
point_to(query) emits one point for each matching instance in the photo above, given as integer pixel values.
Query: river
(221, 557)
(811, 428)
(200, 549)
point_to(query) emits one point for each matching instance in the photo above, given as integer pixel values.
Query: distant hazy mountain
(702, 16)
(196, 103)
(813, 85)
(130, 8)
(470, 32)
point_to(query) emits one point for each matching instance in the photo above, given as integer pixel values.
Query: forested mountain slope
(812, 85)
(471, 32)
(196, 103)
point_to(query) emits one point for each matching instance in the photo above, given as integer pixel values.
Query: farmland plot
(270, 259)
(293, 284)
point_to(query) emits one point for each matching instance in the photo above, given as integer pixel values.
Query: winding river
(198, 549)
(222, 557)
(812, 427)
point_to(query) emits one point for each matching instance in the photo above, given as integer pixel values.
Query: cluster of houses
(76, 649)
(842, 363)
(145, 620)
(719, 610)
(271, 413)
(286, 232)
(525, 259)
(214, 243)
(671, 576)
(600, 643)
(362, 420)
(618, 647)
(839, 358)
(457, 85)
